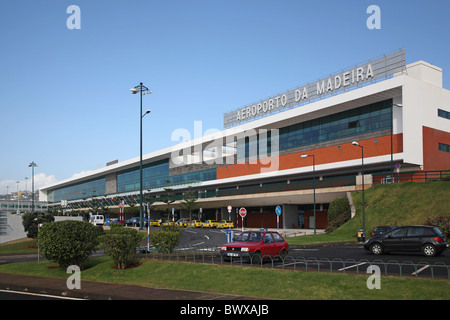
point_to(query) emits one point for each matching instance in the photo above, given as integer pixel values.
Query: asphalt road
(350, 257)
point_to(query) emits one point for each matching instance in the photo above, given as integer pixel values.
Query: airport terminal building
(303, 147)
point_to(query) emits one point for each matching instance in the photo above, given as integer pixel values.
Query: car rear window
(438, 232)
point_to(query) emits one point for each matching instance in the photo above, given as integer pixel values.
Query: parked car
(210, 224)
(182, 222)
(155, 223)
(378, 231)
(224, 224)
(426, 239)
(256, 245)
(97, 220)
(133, 222)
(196, 224)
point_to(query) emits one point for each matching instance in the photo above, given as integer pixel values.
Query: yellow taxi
(182, 222)
(225, 224)
(196, 224)
(155, 223)
(210, 224)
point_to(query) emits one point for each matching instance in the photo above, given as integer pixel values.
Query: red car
(255, 245)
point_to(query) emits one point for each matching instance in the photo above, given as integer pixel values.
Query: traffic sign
(278, 210)
(242, 212)
(229, 209)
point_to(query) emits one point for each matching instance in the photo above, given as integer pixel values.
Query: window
(443, 114)
(268, 238)
(277, 237)
(400, 232)
(415, 232)
(444, 147)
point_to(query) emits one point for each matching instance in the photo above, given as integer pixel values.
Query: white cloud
(40, 180)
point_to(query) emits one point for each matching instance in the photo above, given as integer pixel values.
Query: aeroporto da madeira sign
(381, 68)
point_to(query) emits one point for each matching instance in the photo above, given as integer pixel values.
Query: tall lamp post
(314, 184)
(32, 165)
(362, 178)
(141, 89)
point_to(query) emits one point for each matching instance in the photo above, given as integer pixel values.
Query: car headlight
(223, 248)
(244, 249)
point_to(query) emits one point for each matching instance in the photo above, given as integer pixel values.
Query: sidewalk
(104, 291)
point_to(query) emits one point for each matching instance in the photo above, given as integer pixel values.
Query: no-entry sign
(242, 212)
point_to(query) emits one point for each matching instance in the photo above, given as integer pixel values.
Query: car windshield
(249, 236)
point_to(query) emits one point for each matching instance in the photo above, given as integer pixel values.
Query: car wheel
(376, 248)
(429, 250)
(256, 258)
(283, 254)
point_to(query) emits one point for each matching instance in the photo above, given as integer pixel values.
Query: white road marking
(352, 266)
(40, 295)
(420, 270)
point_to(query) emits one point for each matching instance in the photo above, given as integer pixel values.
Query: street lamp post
(314, 184)
(141, 88)
(32, 165)
(362, 176)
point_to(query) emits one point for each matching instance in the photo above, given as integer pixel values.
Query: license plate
(232, 254)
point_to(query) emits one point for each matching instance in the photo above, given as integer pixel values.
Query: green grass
(395, 204)
(246, 281)
(23, 246)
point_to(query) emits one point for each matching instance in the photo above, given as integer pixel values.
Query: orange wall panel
(433, 158)
(322, 156)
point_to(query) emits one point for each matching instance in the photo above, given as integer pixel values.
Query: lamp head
(134, 90)
(355, 143)
(304, 155)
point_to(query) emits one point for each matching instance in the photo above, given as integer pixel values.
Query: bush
(31, 220)
(120, 244)
(338, 213)
(68, 242)
(442, 223)
(165, 241)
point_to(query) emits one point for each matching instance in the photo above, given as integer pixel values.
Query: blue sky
(65, 96)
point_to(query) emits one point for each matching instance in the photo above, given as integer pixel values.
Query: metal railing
(415, 176)
(289, 262)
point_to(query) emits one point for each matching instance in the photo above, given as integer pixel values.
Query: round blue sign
(278, 210)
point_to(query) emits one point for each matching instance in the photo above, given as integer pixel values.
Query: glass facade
(78, 191)
(156, 175)
(366, 119)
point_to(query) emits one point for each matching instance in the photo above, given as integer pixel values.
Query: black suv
(426, 239)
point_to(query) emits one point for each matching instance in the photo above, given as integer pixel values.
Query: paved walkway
(103, 291)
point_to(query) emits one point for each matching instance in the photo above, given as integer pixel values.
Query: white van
(97, 220)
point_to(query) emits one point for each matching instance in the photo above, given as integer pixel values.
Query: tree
(166, 240)
(32, 220)
(168, 199)
(120, 244)
(68, 242)
(189, 202)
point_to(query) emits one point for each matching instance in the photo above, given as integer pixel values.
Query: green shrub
(31, 220)
(338, 213)
(165, 241)
(68, 242)
(120, 244)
